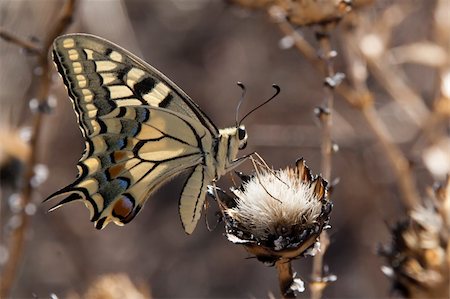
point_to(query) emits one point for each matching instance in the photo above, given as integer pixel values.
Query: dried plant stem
(325, 116)
(17, 240)
(364, 102)
(285, 278)
(299, 42)
(27, 45)
(318, 284)
(388, 74)
(398, 160)
(393, 81)
(325, 66)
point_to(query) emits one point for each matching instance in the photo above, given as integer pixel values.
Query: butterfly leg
(235, 163)
(206, 205)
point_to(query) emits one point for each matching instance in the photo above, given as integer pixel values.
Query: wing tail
(70, 198)
(74, 193)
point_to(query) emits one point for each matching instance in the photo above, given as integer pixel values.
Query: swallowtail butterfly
(140, 129)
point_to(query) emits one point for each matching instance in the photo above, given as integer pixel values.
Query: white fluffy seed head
(275, 203)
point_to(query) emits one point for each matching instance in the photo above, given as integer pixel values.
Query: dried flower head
(305, 12)
(277, 214)
(313, 12)
(114, 286)
(420, 249)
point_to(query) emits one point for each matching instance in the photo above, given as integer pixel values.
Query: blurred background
(205, 47)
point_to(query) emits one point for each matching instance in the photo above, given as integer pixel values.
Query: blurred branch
(362, 99)
(441, 105)
(393, 80)
(308, 51)
(17, 241)
(400, 164)
(425, 53)
(358, 70)
(25, 44)
(373, 41)
(279, 17)
(358, 74)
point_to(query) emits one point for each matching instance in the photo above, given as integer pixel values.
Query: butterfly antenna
(277, 91)
(244, 91)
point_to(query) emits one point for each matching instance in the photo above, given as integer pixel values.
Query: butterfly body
(140, 130)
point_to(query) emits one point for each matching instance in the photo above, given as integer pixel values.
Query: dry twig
(325, 115)
(362, 99)
(324, 63)
(25, 44)
(17, 240)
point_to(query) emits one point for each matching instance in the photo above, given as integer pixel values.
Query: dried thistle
(418, 257)
(277, 216)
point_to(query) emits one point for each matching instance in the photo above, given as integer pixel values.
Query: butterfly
(140, 130)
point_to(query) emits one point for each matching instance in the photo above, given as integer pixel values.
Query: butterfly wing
(140, 130)
(193, 197)
(135, 154)
(101, 74)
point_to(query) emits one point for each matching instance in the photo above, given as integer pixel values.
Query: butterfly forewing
(101, 74)
(140, 130)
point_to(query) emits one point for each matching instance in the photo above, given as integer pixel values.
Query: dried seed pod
(277, 214)
(312, 12)
(419, 252)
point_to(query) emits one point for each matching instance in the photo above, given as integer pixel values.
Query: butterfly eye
(242, 133)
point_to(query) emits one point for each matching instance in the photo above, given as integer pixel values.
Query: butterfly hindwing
(192, 197)
(116, 178)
